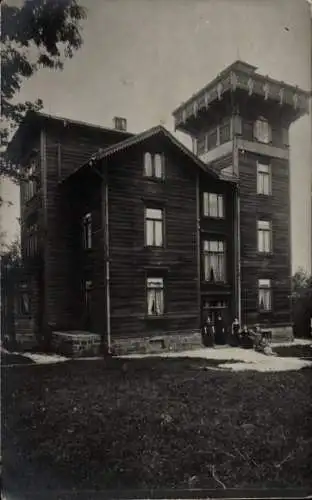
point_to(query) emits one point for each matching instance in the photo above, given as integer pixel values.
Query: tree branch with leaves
(38, 34)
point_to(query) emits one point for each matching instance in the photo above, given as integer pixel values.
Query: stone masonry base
(76, 343)
(162, 343)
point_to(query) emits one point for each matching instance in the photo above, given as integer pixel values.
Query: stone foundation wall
(76, 343)
(282, 333)
(163, 343)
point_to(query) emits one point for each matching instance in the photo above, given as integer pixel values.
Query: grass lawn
(150, 423)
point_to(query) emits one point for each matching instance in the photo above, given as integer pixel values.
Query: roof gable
(141, 138)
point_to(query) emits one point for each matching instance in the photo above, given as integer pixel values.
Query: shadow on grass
(154, 422)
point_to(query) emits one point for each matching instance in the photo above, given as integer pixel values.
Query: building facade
(137, 239)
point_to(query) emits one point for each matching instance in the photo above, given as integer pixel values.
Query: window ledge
(213, 217)
(265, 254)
(155, 318)
(154, 179)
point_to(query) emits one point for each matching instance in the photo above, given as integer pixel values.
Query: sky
(142, 58)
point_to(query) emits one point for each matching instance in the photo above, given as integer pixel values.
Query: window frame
(150, 278)
(207, 204)
(23, 290)
(257, 123)
(262, 173)
(153, 169)
(262, 231)
(207, 253)
(154, 221)
(265, 286)
(87, 236)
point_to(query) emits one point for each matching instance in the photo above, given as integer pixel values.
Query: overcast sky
(142, 58)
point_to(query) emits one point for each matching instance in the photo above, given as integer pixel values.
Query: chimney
(120, 123)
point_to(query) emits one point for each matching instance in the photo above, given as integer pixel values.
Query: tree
(38, 34)
(301, 282)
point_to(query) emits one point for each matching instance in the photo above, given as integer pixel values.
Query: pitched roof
(33, 118)
(139, 138)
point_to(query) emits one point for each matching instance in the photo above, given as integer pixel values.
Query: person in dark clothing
(246, 338)
(220, 330)
(208, 333)
(234, 336)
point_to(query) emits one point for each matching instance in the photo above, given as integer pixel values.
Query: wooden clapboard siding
(131, 262)
(68, 146)
(219, 229)
(276, 266)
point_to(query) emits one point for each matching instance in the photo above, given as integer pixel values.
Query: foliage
(301, 282)
(12, 251)
(38, 34)
(162, 424)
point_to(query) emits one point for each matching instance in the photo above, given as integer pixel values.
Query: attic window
(154, 165)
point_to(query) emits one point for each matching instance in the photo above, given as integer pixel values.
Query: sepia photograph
(156, 249)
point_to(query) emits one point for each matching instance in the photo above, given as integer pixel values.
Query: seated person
(246, 338)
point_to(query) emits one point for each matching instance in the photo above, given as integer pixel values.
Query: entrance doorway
(214, 307)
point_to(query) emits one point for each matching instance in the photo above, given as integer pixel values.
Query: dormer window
(262, 131)
(154, 165)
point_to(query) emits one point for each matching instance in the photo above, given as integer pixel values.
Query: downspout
(239, 286)
(198, 247)
(107, 268)
(237, 236)
(105, 223)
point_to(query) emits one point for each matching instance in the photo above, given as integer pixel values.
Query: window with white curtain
(213, 205)
(262, 131)
(154, 165)
(264, 236)
(263, 178)
(155, 296)
(214, 260)
(265, 294)
(154, 227)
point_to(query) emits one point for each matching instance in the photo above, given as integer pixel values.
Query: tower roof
(242, 77)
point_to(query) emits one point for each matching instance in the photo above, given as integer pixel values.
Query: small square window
(213, 205)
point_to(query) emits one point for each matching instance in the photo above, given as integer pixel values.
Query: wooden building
(240, 123)
(137, 239)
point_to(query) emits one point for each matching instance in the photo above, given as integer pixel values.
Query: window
(225, 131)
(201, 144)
(23, 304)
(264, 236)
(262, 131)
(214, 261)
(154, 165)
(263, 179)
(87, 291)
(265, 295)
(213, 205)
(87, 231)
(30, 184)
(155, 296)
(154, 227)
(212, 139)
